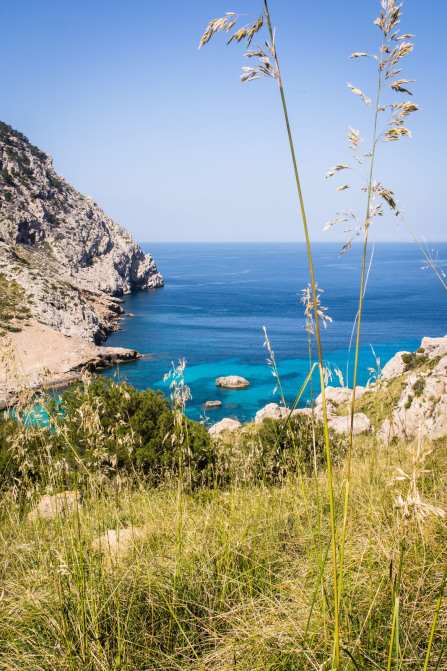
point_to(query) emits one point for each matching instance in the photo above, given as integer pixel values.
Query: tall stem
(359, 320)
(336, 654)
(435, 618)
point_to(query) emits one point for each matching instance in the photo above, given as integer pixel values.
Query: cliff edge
(63, 266)
(67, 257)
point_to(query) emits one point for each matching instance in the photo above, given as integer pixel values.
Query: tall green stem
(435, 618)
(336, 654)
(359, 320)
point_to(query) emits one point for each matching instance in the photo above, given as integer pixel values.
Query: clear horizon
(173, 147)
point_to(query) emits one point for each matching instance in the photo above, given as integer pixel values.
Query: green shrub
(413, 359)
(275, 449)
(131, 429)
(8, 466)
(419, 386)
(7, 177)
(103, 429)
(409, 402)
(291, 447)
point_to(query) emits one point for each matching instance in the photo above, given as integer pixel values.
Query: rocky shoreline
(408, 401)
(38, 358)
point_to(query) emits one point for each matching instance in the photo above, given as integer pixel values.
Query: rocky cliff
(63, 261)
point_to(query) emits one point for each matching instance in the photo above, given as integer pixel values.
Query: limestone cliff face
(72, 260)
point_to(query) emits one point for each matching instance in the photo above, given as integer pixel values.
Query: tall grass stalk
(391, 51)
(271, 69)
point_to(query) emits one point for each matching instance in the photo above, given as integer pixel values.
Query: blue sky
(169, 142)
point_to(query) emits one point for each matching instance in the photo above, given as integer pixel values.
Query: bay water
(218, 297)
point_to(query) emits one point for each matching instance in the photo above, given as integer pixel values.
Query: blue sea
(218, 297)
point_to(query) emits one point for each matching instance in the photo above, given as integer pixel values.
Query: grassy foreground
(236, 577)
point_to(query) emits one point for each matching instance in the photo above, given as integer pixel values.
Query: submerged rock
(232, 382)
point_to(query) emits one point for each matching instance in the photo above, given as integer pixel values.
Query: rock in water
(213, 404)
(232, 382)
(69, 257)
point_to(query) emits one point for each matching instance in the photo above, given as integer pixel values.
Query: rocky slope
(70, 258)
(38, 357)
(63, 266)
(421, 407)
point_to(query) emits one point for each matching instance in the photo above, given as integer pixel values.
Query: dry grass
(247, 585)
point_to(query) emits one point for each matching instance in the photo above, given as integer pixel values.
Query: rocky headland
(64, 264)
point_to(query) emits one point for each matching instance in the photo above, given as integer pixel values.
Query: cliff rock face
(422, 407)
(70, 258)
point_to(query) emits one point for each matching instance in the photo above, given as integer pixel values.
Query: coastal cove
(218, 297)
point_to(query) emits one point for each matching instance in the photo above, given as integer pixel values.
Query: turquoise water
(217, 298)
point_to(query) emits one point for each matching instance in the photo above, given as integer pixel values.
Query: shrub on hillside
(103, 428)
(8, 468)
(117, 426)
(293, 445)
(276, 449)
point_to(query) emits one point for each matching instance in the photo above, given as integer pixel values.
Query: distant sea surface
(218, 297)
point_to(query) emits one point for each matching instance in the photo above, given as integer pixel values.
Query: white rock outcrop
(49, 507)
(271, 411)
(394, 366)
(434, 346)
(225, 424)
(361, 424)
(340, 395)
(422, 407)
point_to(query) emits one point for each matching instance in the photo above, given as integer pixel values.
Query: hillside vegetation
(187, 553)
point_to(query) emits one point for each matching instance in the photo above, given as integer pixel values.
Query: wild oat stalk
(180, 395)
(393, 48)
(267, 65)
